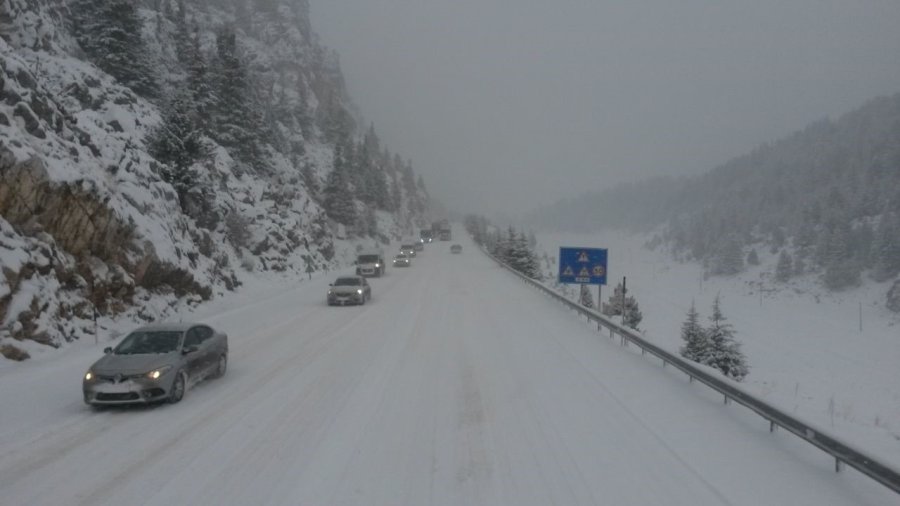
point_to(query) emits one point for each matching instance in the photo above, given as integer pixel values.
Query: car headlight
(330, 292)
(377, 265)
(359, 292)
(157, 373)
(88, 376)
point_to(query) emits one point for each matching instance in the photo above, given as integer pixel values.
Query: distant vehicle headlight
(359, 291)
(155, 374)
(377, 265)
(88, 376)
(330, 292)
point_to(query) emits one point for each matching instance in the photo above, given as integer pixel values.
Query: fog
(505, 105)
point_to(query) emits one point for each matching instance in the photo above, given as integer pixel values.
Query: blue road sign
(583, 266)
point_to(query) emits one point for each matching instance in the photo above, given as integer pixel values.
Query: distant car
(156, 363)
(456, 248)
(349, 290)
(401, 260)
(408, 250)
(419, 245)
(370, 263)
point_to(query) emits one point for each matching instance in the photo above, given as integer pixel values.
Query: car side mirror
(188, 349)
(107, 350)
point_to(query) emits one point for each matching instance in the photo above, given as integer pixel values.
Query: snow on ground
(806, 352)
(455, 385)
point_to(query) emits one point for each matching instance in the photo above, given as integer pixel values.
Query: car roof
(178, 326)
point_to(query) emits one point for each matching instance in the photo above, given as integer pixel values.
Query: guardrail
(842, 452)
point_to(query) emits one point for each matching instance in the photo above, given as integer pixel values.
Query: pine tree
(527, 259)
(696, 345)
(198, 81)
(338, 196)
(752, 257)
(310, 180)
(237, 123)
(841, 271)
(109, 32)
(784, 269)
(886, 247)
(725, 353)
(633, 315)
(177, 142)
(729, 258)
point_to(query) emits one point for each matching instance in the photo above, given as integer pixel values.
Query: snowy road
(456, 385)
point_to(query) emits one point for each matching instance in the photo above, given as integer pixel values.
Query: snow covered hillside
(828, 357)
(205, 144)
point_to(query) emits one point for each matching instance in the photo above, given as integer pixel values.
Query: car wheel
(221, 366)
(178, 387)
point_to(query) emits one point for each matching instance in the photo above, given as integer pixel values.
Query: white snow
(803, 343)
(455, 385)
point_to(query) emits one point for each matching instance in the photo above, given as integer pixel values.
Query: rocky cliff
(90, 224)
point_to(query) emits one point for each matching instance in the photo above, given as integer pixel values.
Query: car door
(197, 360)
(207, 347)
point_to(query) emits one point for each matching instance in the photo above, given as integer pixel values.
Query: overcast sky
(505, 105)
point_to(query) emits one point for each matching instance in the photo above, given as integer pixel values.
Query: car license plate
(115, 388)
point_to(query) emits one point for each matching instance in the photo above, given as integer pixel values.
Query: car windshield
(346, 282)
(368, 259)
(406, 246)
(152, 341)
(400, 257)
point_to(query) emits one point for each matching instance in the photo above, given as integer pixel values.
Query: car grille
(127, 396)
(117, 378)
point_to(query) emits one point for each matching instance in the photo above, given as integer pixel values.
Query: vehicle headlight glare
(89, 376)
(359, 292)
(377, 265)
(157, 373)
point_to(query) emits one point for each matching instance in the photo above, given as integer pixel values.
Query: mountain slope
(101, 213)
(826, 196)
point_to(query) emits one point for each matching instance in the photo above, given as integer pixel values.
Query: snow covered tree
(338, 196)
(725, 351)
(237, 123)
(198, 80)
(633, 315)
(177, 143)
(728, 259)
(752, 257)
(893, 297)
(886, 247)
(585, 298)
(696, 345)
(841, 270)
(784, 269)
(310, 179)
(109, 32)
